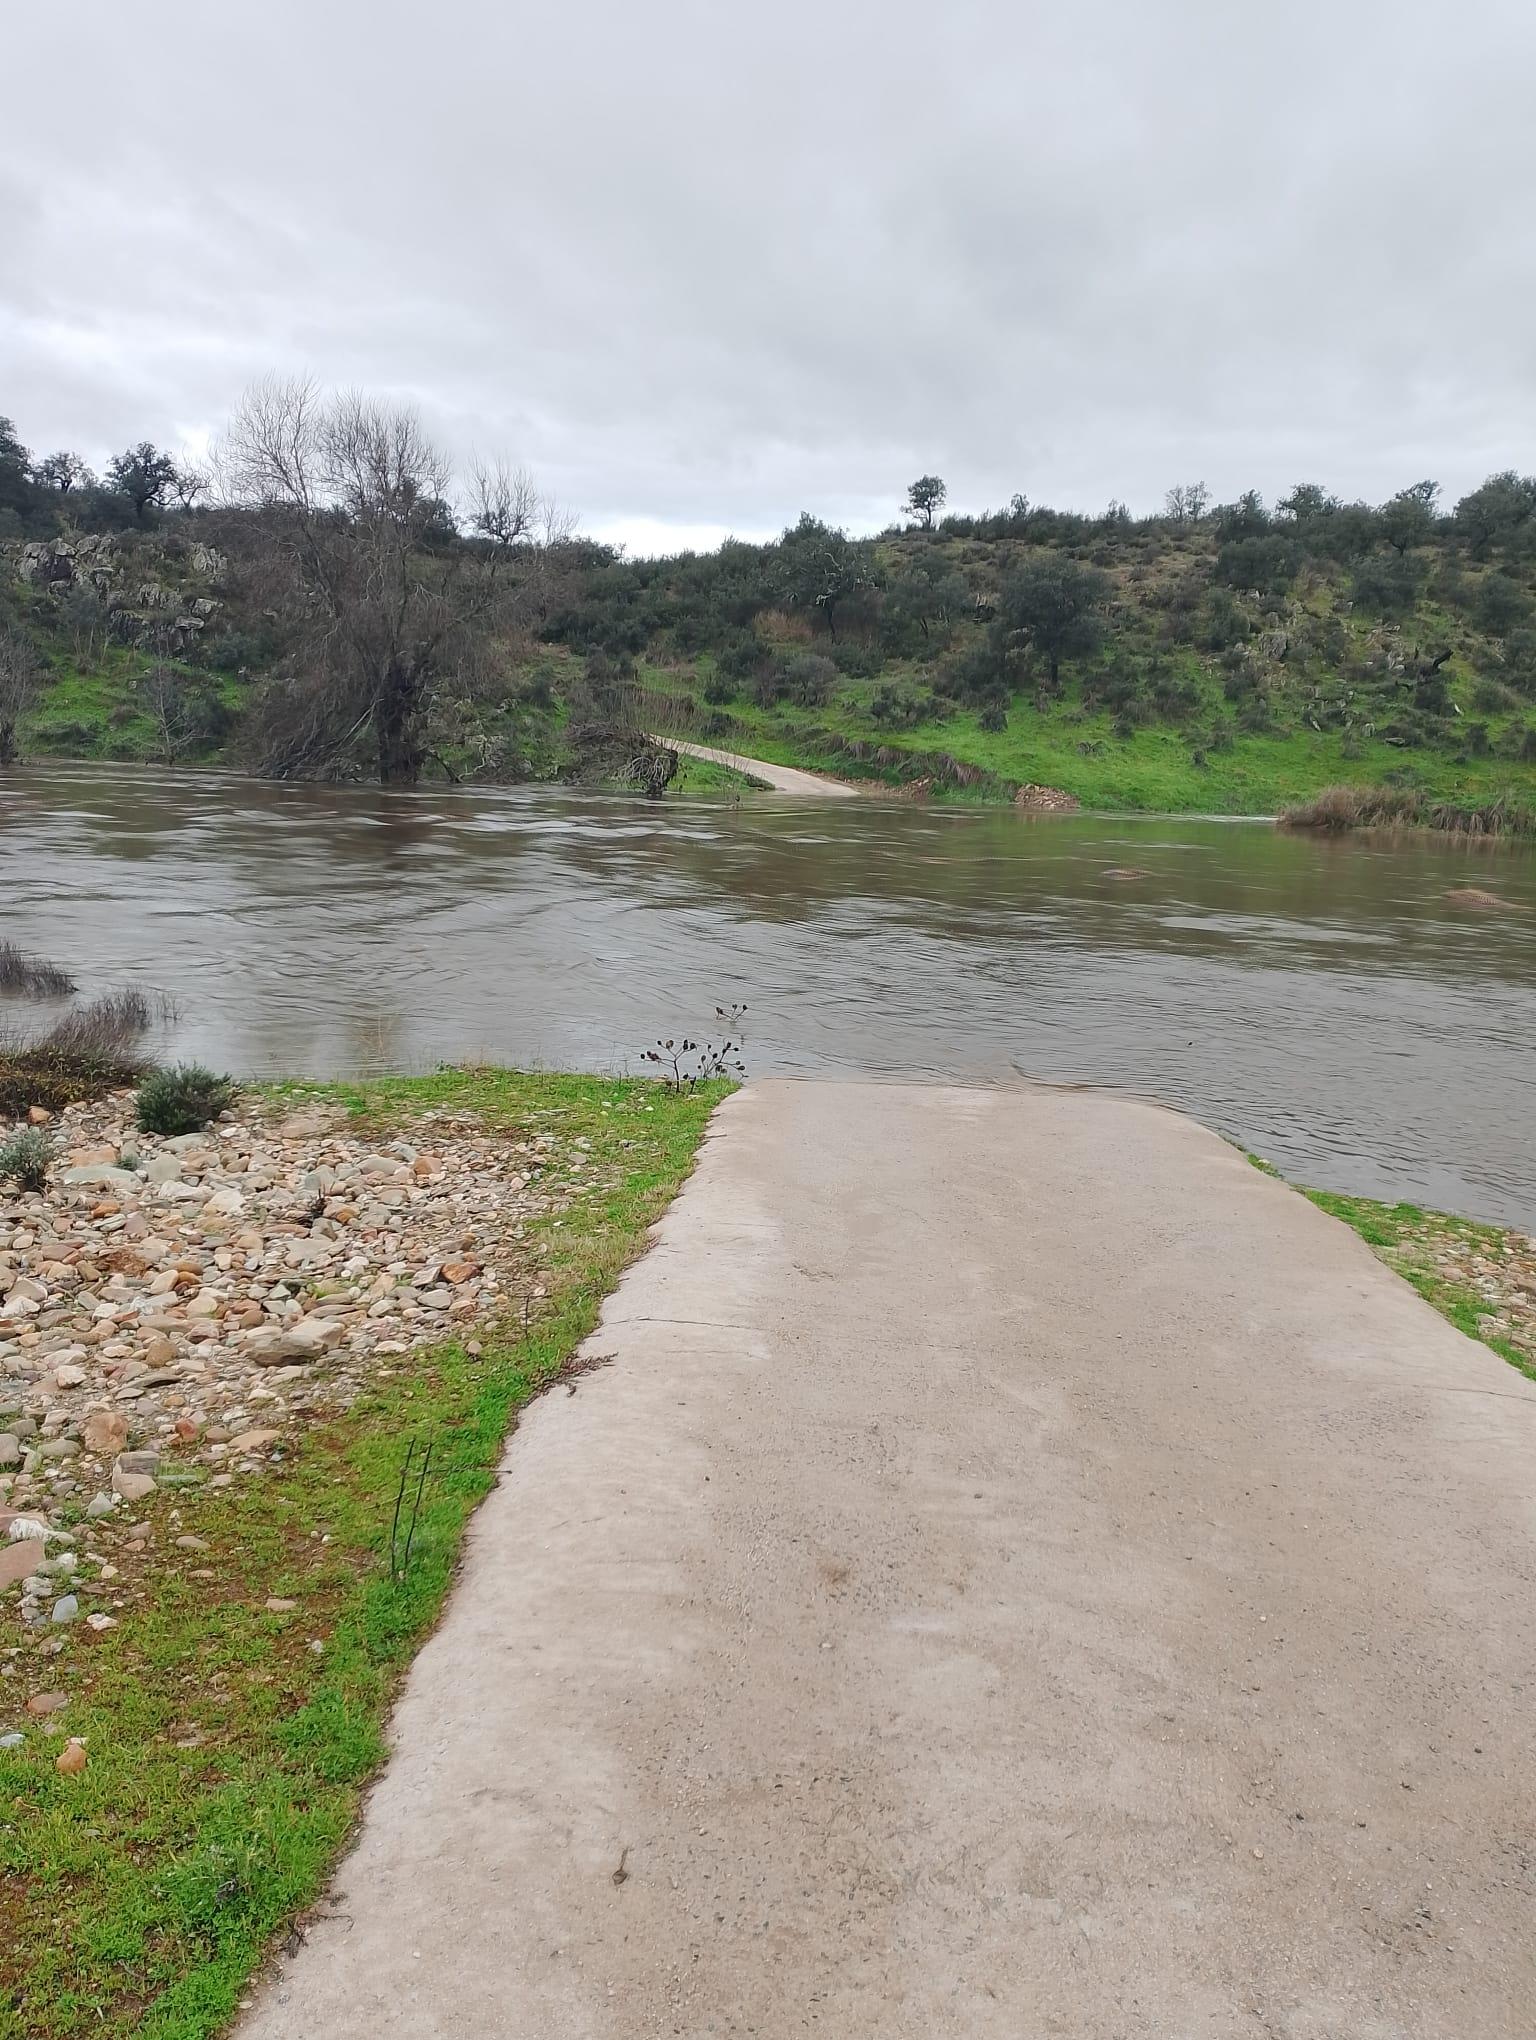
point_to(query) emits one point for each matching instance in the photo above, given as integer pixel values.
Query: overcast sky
(701, 266)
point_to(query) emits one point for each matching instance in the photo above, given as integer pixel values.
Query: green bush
(809, 679)
(181, 1100)
(24, 1158)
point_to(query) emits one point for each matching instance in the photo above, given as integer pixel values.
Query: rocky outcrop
(164, 610)
(87, 559)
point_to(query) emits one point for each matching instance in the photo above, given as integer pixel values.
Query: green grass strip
(227, 1752)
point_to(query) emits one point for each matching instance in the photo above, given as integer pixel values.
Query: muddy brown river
(1330, 1005)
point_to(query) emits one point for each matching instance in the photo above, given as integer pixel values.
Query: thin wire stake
(410, 1534)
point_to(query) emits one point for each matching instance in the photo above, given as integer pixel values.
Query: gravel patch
(172, 1311)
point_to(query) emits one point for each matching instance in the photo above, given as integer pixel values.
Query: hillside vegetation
(1221, 657)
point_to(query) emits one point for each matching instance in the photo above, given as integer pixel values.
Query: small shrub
(1338, 808)
(900, 707)
(718, 690)
(181, 1100)
(739, 659)
(858, 662)
(1502, 605)
(24, 1159)
(1386, 586)
(809, 679)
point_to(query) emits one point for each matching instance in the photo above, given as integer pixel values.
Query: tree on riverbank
(382, 585)
(21, 676)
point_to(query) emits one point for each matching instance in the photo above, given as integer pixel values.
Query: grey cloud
(703, 266)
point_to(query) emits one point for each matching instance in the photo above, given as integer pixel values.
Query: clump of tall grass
(32, 977)
(107, 1027)
(1338, 808)
(91, 1050)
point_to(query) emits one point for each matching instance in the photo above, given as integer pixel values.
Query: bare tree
(21, 679)
(188, 482)
(163, 692)
(385, 585)
(1187, 503)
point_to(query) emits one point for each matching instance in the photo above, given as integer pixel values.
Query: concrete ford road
(1023, 1573)
(778, 778)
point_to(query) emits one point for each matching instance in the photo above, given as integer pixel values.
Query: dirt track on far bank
(1023, 1572)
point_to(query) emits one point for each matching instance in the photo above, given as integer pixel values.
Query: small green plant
(25, 1157)
(684, 1065)
(182, 1099)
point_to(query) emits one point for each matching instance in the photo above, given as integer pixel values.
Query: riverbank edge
(1481, 1278)
(143, 1893)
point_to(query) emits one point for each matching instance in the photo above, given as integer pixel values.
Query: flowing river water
(1329, 1004)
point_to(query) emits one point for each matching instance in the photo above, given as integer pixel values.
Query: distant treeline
(383, 616)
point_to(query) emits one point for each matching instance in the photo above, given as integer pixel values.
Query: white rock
(104, 1175)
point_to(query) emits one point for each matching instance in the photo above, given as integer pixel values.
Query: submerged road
(1022, 1573)
(778, 778)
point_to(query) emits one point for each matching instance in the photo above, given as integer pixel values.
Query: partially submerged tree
(382, 588)
(185, 710)
(21, 678)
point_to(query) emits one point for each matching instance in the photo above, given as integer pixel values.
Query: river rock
(104, 1176)
(104, 1431)
(254, 1441)
(19, 1560)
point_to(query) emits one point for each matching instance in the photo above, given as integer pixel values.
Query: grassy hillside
(1232, 663)
(1197, 696)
